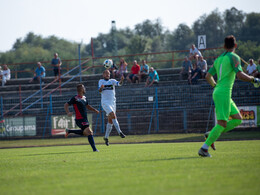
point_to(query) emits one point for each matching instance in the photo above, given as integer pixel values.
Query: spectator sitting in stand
(186, 69)
(194, 53)
(144, 71)
(153, 78)
(39, 73)
(257, 73)
(202, 65)
(56, 63)
(113, 70)
(122, 70)
(133, 76)
(251, 68)
(195, 74)
(5, 74)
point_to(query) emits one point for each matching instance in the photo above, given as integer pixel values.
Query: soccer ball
(108, 63)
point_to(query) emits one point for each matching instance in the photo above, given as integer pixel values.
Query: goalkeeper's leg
(234, 122)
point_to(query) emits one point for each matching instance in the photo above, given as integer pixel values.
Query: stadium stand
(176, 106)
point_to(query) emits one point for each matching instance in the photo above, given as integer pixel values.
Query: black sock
(79, 132)
(92, 142)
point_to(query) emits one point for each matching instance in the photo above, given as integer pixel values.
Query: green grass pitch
(152, 168)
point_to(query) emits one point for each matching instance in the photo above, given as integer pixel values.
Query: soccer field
(158, 168)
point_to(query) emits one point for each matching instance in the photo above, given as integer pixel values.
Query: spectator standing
(56, 64)
(6, 74)
(122, 70)
(39, 73)
(195, 74)
(251, 68)
(194, 53)
(257, 73)
(144, 71)
(202, 65)
(153, 78)
(186, 69)
(134, 72)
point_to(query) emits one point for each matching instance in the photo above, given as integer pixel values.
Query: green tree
(251, 28)
(212, 26)
(181, 38)
(234, 20)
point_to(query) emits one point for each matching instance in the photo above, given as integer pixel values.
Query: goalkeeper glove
(256, 82)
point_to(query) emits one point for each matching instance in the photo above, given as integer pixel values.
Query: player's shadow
(42, 154)
(177, 158)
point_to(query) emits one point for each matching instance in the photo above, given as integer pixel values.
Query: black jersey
(79, 103)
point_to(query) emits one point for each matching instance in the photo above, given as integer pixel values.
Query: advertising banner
(62, 122)
(20, 126)
(250, 115)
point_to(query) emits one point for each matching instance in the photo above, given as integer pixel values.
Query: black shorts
(82, 123)
(56, 72)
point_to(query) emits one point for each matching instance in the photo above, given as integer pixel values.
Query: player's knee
(87, 132)
(110, 120)
(222, 123)
(112, 115)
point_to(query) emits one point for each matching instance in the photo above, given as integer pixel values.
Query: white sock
(116, 124)
(108, 130)
(205, 146)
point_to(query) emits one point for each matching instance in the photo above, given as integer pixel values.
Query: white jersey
(108, 94)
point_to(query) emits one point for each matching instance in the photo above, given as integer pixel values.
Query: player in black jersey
(81, 105)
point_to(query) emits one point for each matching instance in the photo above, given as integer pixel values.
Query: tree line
(148, 36)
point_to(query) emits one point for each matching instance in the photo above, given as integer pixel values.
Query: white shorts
(108, 107)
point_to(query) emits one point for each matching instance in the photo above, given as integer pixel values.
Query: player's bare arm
(244, 77)
(210, 80)
(66, 107)
(101, 88)
(89, 107)
(121, 80)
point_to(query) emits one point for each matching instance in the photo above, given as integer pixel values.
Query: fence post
(50, 112)
(172, 59)
(79, 64)
(129, 122)
(99, 109)
(20, 97)
(41, 92)
(1, 102)
(157, 110)
(185, 120)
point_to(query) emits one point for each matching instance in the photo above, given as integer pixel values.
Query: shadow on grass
(42, 154)
(177, 158)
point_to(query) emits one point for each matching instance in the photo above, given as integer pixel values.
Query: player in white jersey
(106, 87)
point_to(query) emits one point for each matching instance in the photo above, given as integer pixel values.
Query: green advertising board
(20, 126)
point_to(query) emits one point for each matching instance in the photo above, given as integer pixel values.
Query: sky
(79, 20)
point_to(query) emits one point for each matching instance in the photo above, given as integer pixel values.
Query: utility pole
(113, 31)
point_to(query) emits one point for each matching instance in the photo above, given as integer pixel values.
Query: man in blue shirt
(39, 73)
(152, 78)
(186, 69)
(144, 71)
(56, 63)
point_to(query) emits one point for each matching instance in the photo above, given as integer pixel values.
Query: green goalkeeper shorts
(224, 106)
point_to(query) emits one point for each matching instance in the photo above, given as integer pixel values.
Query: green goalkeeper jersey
(226, 66)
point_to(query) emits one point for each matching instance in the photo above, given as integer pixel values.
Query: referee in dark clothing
(80, 105)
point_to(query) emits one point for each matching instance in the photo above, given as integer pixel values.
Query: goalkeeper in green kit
(227, 66)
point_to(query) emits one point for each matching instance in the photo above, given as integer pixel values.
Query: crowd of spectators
(137, 74)
(194, 67)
